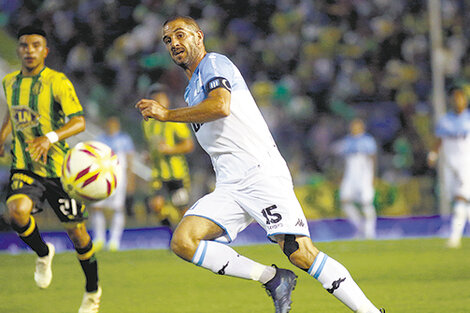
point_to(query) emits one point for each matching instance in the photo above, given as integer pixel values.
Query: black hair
(31, 30)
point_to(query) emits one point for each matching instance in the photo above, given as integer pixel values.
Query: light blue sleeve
(371, 145)
(440, 130)
(217, 65)
(128, 143)
(102, 138)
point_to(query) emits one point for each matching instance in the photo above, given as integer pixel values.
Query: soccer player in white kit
(121, 144)
(252, 179)
(453, 134)
(359, 150)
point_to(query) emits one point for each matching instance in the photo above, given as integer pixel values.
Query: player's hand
(432, 158)
(152, 109)
(163, 148)
(38, 148)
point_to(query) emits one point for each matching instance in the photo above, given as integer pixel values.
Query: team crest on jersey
(24, 117)
(37, 88)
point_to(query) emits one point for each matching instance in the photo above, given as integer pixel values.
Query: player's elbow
(223, 110)
(80, 123)
(189, 146)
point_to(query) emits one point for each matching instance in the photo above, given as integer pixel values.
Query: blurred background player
(121, 143)
(167, 144)
(359, 150)
(453, 139)
(39, 101)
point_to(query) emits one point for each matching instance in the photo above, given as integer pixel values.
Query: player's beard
(185, 61)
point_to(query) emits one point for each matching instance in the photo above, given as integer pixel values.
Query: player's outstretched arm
(39, 146)
(215, 106)
(4, 132)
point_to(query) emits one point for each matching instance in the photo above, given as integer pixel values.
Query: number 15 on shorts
(270, 216)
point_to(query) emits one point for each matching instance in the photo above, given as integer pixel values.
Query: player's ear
(200, 37)
(46, 51)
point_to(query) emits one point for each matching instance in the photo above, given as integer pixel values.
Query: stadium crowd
(312, 66)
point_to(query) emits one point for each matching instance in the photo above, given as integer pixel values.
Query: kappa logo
(300, 223)
(222, 270)
(335, 285)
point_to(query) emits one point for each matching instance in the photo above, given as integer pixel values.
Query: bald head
(189, 21)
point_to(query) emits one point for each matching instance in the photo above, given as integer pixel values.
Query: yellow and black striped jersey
(38, 105)
(167, 167)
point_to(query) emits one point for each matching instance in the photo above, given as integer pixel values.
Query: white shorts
(354, 191)
(260, 196)
(458, 181)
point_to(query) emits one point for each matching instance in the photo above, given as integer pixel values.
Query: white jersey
(358, 152)
(122, 145)
(240, 141)
(454, 130)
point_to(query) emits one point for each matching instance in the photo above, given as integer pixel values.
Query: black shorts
(39, 189)
(174, 191)
(169, 187)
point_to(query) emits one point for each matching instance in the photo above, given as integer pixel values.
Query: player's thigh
(346, 192)
(271, 201)
(65, 208)
(25, 190)
(198, 228)
(366, 195)
(222, 208)
(461, 183)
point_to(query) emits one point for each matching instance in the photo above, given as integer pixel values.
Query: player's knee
(304, 253)
(290, 245)
(19, 211)
(78, 234)
(183, 245)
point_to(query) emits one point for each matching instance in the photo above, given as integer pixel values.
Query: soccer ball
(91, 171)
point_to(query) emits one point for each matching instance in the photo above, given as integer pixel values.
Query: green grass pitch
(404, 276)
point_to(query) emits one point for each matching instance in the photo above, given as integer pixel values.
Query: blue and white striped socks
(336, 279)
(223, 260)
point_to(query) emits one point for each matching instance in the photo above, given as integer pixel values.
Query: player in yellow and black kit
(168, 144)
(43, 111)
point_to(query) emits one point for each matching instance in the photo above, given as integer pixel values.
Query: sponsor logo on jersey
(24, 117)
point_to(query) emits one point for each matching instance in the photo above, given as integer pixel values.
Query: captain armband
(217, 82)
